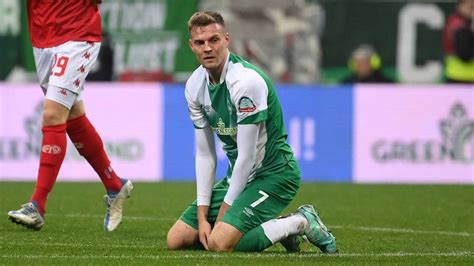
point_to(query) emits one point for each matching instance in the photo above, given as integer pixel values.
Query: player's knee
(173, 241)
(219, 245)
(180, 237)
(51, 117)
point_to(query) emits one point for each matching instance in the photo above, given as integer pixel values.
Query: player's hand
(204, 233)
(96, 2)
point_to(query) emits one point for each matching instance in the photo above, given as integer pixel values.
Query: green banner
(150, 37)
(26, 57)
(10, 29)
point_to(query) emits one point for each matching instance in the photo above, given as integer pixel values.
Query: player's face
(209, 44)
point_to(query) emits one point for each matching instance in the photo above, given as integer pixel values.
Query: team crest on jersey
(246, 105)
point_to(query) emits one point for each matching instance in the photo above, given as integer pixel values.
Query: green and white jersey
(244, 95)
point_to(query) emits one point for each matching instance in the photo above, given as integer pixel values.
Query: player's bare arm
(204, 226)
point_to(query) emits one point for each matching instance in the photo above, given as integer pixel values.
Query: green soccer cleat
(316, 232)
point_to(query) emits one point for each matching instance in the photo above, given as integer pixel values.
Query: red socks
(53, 150)
(89, 144)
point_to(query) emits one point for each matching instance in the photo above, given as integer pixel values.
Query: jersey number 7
(260, 200)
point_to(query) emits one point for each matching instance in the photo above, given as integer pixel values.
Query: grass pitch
(373, 224)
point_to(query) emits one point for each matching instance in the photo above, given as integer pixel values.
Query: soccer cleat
(113, 215)
(292, 243)
(316, 232)
(28, 216)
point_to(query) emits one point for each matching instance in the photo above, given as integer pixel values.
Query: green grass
(374, 224)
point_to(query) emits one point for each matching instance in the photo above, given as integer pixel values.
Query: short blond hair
(204, 18)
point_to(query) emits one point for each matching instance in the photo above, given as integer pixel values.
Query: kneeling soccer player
(232, 97)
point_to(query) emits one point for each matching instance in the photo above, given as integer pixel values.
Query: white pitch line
(400, 230)
(126, 217)
(58, 244)
(348, 227)
(239, 255)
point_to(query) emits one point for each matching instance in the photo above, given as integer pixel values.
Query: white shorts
(62, 70)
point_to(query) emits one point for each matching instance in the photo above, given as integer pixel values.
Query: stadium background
(346, 138)
(417, 131)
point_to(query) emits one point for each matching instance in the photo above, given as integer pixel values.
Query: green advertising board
(10, 29)
(150, 36)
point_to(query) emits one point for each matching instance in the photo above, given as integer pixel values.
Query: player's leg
(182, 236)
(55, 112)
(226, 237)
(184, 233)
(88, 142)
(276, 194)
(274, 231)
(53, 148)
(243, 226)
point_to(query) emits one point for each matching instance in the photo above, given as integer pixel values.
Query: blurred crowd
(285, 38)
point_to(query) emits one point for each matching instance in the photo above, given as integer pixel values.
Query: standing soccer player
(236, 100)
(66, 38)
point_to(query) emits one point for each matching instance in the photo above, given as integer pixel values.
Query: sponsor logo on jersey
(222, 130)
(51, 149)
(246, 105)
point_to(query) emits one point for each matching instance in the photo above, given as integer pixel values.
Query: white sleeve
(194, 108)
(205, 165)
(250, 99)
(247, 136)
